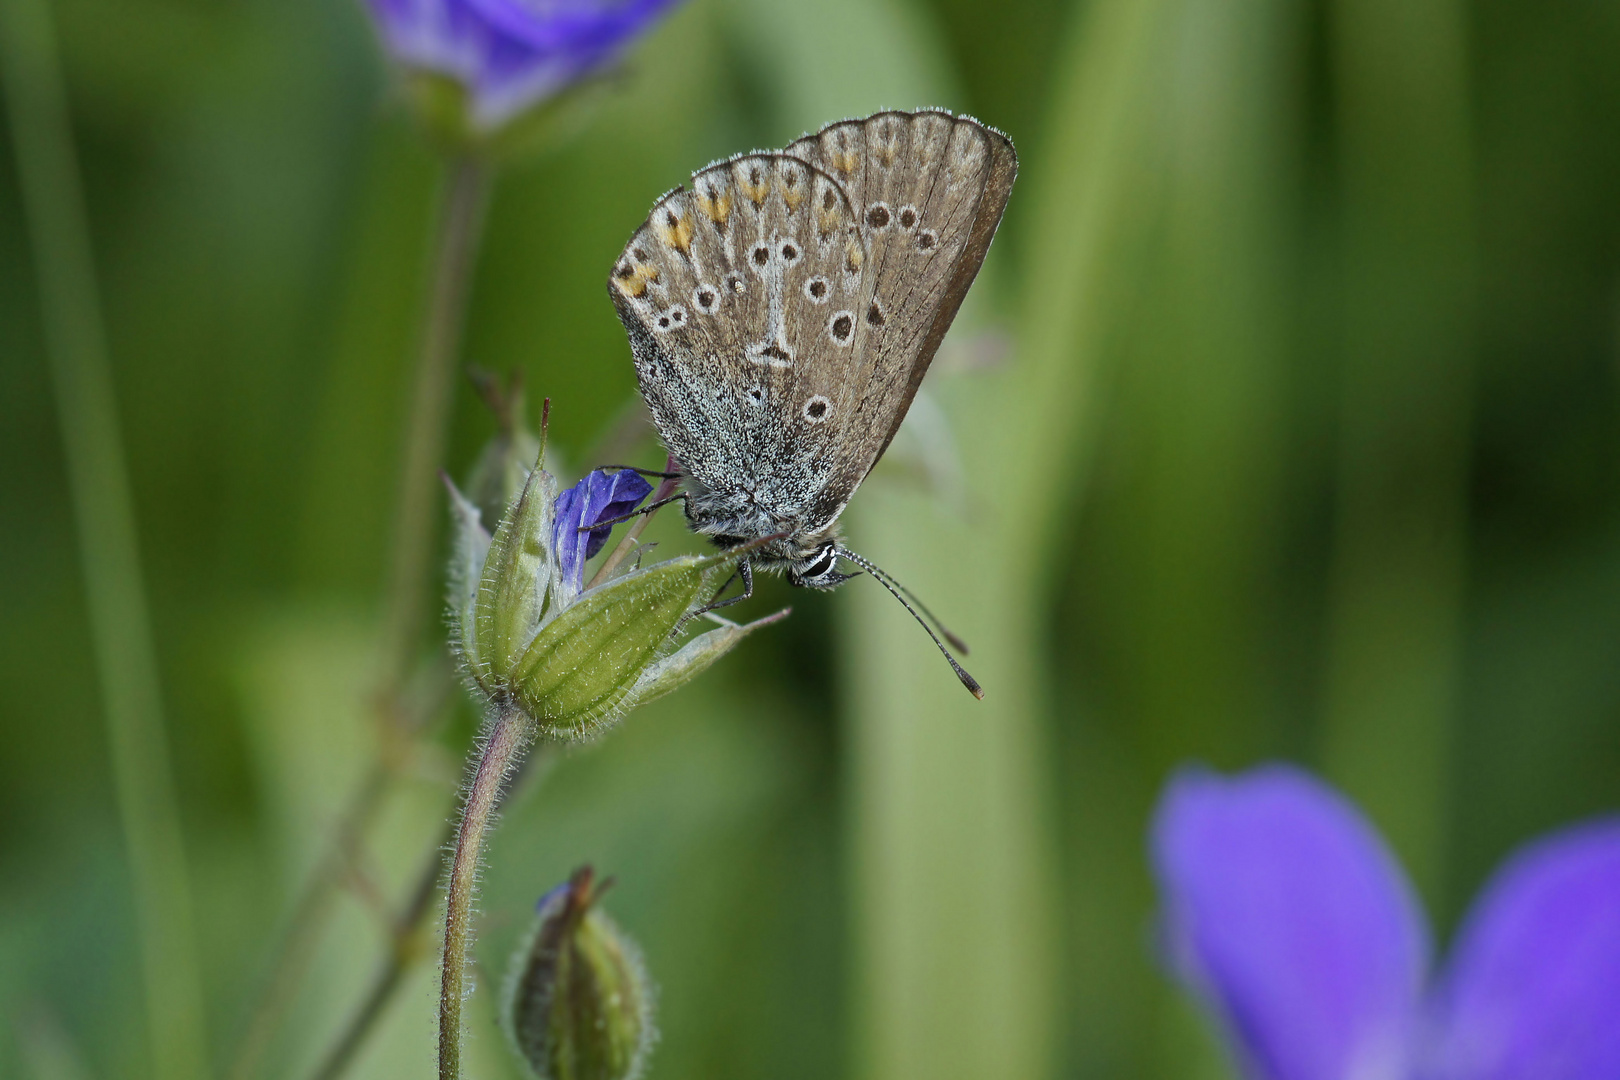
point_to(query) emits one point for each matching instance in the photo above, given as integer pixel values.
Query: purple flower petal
(1532, 991)
(600, 496)
(511, 54)
(1284, 910)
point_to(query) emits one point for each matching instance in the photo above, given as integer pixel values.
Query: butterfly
(782, 312)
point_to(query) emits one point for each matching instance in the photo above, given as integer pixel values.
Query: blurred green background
(1284, 421)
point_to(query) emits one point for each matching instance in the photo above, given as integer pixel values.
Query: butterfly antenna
(944, 631)
(900, 593)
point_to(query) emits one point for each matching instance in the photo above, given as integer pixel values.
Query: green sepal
(516, 581)
(469, 551)
(692, 659)
(583, 665)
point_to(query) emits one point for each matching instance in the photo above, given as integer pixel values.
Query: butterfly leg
(646, 472)
(649, 508)
(745, 570)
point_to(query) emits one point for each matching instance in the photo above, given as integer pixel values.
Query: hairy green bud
(572, 660)
(578, 1001)
(587, 660)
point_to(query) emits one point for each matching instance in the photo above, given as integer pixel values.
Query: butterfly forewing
(734, 290)
(783, 311)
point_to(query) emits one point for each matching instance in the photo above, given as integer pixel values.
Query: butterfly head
(818, 569)
(808, 565)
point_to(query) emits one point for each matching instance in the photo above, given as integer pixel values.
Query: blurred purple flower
(510, 54)
(1285, 912)
(600, 496)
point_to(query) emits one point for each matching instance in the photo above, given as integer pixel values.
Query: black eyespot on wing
(828, 199)
(842, 327)
(762, 255)
(816, 409)
(926, 239)
(874, 314)
(706, 299)
(640, 255)
(789, 252)
(908, 217)
(877, 216)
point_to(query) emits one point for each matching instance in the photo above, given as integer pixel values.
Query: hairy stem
(120, 625)
(501, 749)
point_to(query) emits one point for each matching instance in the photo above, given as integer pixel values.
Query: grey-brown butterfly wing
(928, 189)
(741, 296)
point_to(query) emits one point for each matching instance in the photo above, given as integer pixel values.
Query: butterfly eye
(825, 560)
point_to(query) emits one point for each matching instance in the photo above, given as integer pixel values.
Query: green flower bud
(578, 1001)
(572, 660)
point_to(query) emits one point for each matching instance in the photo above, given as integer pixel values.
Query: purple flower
(1287, 914)
(600, 496)
(510, 54)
